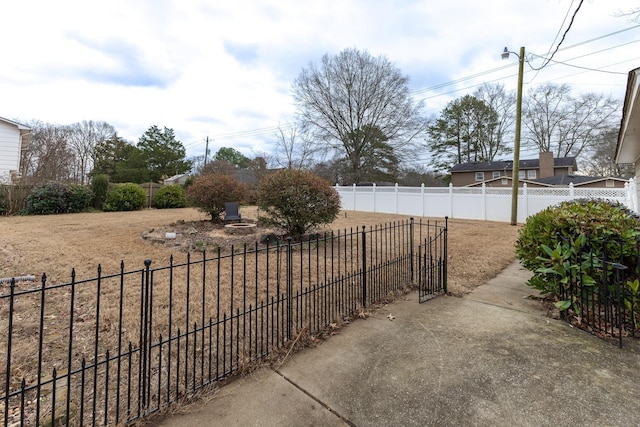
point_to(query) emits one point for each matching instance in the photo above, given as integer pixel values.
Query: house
(14, 138)
(179, 179)
(498, 173)
(628, 148)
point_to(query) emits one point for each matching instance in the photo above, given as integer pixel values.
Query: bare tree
(294, 147)
(545, 110)
(566, 125)
(83, 138)
(49, 156)
(601, 160)
(349, 99)
(633, 14)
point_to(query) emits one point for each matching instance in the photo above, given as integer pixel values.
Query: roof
(558, 162)
(628, 148)
(521, 181)
(11, 122)
(577, 180)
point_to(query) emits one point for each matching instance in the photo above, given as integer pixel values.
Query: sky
(223, 70)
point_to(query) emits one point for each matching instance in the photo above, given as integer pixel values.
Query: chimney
(546, 164)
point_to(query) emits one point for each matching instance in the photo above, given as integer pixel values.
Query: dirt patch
(197, 236)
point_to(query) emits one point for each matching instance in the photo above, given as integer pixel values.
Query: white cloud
(225, 68)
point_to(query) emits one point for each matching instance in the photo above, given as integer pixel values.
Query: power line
(556, 36)
(563, 37)
(273, 129)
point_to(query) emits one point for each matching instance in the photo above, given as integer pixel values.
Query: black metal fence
(601, 292)
(118, 347)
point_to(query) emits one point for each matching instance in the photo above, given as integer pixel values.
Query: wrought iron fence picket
(257, 299)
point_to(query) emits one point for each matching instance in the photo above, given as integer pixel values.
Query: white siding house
(628, 149)
(14, 138)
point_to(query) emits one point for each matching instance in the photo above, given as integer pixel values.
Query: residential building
(498, 173)
(628, 148)
(14, 138)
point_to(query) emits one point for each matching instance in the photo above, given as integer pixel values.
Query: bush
(125, 197)
(170, 196)
(210, 192)
(100, 187)
(58, 197)
(549, 239)
(79, 198)
(298, 200)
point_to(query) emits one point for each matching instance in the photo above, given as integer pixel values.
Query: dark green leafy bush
(298, 200)
(58, 197)
(100, 187)
(125, 197)
(170, 196)
(551, 241)
(79, 198)
(210, 192)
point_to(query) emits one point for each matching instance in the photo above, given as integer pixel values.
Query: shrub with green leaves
(170, 196)
(125, 197)
(100, 187)
(298, 200)
(551, 239)
(210, 192)
(58, 197)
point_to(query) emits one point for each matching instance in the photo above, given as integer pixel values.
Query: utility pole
(516, 149)
(206, 151)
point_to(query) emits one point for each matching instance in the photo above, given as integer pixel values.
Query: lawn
(56, 245)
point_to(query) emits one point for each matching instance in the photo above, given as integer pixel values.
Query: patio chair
(231, 212)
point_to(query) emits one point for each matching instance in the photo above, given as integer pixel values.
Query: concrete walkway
(489, 359)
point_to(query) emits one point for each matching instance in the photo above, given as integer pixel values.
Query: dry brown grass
(55, 244)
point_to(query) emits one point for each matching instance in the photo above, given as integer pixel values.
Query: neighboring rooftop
(508, 164)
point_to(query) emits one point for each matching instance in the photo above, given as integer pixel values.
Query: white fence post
(525, 200)
(422, 197)
(450, 200)
(354, 196)
(397, 198)
(572, 191)
(373, 190)
(484, 201)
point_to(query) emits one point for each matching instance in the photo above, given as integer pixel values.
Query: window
(531, 174)
(505, 181)
(479, 176)
(521, 175)
(496, 174)
(610, 183)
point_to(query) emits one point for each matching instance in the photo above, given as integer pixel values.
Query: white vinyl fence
(483, 203)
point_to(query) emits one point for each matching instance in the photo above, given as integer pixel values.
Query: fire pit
(240, 228)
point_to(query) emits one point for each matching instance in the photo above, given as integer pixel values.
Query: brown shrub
(210, 192)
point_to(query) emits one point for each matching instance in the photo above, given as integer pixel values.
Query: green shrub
(100, 187)
(298, 200)
(170, 196)
(210, 192)
(125, 197)
(79, 198)
(58, 197)
(550, 242)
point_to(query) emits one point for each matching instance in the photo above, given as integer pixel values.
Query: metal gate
(432, 261)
